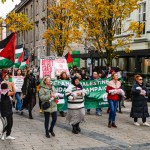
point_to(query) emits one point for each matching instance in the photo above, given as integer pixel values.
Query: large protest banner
(96, 93)
(60, 65)
(18, 82)
(52, 66)
(47, 67)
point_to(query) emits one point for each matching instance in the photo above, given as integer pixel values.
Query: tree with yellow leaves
(102, 18)
(62, 30)
(17, 22)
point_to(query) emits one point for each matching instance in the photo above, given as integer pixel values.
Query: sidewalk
(95, 134)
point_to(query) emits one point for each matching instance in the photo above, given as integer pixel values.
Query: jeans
(98, 110)
(113, 107)
(19, 101)
(47, 118)
(9, 125)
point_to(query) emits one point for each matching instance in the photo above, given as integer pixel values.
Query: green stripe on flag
(5, 63)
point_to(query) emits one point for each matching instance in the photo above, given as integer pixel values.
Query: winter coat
(45, 94)
(6, 104)
(111, 88)
(29, 89)
(139, 102)
(75, 102)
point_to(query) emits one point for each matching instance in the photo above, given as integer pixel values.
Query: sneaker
(146, 124)
(98, 114)
(9, 138)
(3, 137)
(136, 124)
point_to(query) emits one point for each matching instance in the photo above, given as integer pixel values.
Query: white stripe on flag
(1, 50)
(20, 50)
(23, 63)
(61, 101)
(1, 58)
(16, 60)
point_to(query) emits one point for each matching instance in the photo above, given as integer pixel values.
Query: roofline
(20, 5)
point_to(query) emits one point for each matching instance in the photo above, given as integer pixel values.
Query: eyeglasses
(140, 79)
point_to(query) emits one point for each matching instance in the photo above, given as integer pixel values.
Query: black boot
(114, 125)
(77, 127)
(109, 124)
(74, 130)
(47, 135)
(30, 115)
(51, 131)
(62, 113)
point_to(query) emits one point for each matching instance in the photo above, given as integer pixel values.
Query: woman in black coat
(29, 92)
(139, 108)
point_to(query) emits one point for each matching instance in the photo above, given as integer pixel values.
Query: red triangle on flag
(8, 51)
(69, 57)
(21, 57)
(27, 61)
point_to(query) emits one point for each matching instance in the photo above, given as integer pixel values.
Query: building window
(142, 15)
(44, 5)
(31, 11)
(27, 11)
(26, 37)
(31, 36)
(37, 8)
(43, 24)
(118, 27)
(37, 31)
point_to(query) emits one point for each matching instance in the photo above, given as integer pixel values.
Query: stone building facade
(33, 41)
(139, 58)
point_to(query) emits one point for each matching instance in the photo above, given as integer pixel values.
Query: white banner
(60, 66)
(47, 67)
(18, 82)
(52, 66)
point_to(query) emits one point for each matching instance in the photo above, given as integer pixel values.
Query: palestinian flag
(7, 51)
(23, 64)
(68, 58)
(19, 54)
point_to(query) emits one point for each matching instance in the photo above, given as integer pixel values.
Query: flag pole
(13, 73)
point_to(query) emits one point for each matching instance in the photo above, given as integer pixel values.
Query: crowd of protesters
(47, 95)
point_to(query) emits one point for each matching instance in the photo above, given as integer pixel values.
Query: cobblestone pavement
(95, 134)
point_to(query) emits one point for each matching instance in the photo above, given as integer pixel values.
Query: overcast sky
(7, 7)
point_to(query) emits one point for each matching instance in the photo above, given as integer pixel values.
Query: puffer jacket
(44, 94)
(139, 102)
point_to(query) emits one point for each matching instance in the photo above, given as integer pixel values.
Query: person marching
(63, 76)
(18, 97)
(38, 90)
(10, 87)
(29, 92)
(6, 109)
(48, 98)
(76, 112)
(114, 90)
(139, 98)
